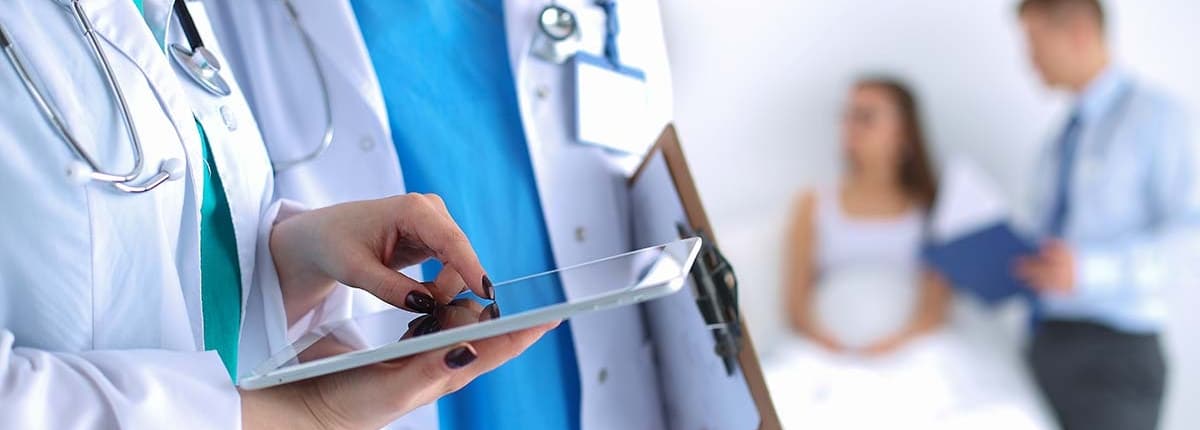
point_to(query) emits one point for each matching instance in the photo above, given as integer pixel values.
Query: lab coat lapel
(121, 27)
(232, 135)
(118, 23)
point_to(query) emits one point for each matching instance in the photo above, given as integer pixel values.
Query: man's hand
(363, 244)
(1052, 270)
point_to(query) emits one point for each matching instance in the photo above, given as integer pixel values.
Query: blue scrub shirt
(452, 105)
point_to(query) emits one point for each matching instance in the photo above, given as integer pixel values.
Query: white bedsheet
(969, 375)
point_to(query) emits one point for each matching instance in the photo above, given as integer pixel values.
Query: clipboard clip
(717, 298)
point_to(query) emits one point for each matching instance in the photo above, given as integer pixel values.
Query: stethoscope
(558, 37)
(202, 66)
(89, 169)
(198, 63)
(327, 136)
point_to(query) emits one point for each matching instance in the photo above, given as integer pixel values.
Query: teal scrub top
(452, 106)
(220, 274)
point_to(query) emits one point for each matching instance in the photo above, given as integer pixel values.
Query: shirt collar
(1101, 93)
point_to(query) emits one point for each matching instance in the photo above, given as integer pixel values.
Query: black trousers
(1096, 378)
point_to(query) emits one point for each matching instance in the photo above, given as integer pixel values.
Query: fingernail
(430, 325)
(460, 357)
(488, 288)
(416, 320)
(493, 310)
(420, 302)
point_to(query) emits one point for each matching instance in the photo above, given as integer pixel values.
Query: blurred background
(759, 93)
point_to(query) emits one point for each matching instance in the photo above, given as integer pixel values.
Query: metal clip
(717, 297)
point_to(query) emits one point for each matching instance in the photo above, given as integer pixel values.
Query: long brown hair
(916, 172)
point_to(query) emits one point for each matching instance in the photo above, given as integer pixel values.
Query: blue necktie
(1068, 147)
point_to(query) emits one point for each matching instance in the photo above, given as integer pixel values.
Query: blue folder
(981, 263)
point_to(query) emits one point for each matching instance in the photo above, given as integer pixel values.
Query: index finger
(446, 286)
(438, 231)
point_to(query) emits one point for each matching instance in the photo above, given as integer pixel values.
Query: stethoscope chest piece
(202, 66)
(558, 37)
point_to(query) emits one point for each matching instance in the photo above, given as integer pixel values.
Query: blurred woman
(854, 280)
(857, 290)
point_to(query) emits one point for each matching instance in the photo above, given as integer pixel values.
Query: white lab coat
(582, 188)
(100, 313)
(281, 85)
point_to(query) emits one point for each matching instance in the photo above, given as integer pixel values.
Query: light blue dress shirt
(1134, 205)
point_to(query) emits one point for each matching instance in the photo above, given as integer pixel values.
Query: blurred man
(1117, 197)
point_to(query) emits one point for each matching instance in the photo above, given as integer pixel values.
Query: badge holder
(610, 97)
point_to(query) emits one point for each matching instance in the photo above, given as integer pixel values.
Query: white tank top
(867, 271)
(843, 241)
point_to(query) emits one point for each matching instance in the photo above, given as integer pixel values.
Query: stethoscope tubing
(327, 136)
(118, 180)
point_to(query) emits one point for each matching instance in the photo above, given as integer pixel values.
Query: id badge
(610, 105)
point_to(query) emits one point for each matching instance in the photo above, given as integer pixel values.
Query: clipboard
(713, 379)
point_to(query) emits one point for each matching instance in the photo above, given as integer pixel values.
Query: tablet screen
(520, 303)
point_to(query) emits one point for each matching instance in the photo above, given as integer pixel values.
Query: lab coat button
(603, 376)
(580, 234)
(541, 92)
(228, 118)
(366, 144)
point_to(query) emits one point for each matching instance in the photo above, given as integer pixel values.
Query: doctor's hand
(1052, 270)
(364, 244)
(372, 396)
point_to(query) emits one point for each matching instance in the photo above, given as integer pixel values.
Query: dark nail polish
(493, 310)
(420, 302)
(417, 320)
(460, 357)
(488, 288)
(430, 325)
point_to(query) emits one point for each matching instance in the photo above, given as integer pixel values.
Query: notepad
(981, 262)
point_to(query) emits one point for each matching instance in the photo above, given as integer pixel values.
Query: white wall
(759, 86)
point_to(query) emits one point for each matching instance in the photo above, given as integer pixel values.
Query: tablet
(624, 279)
